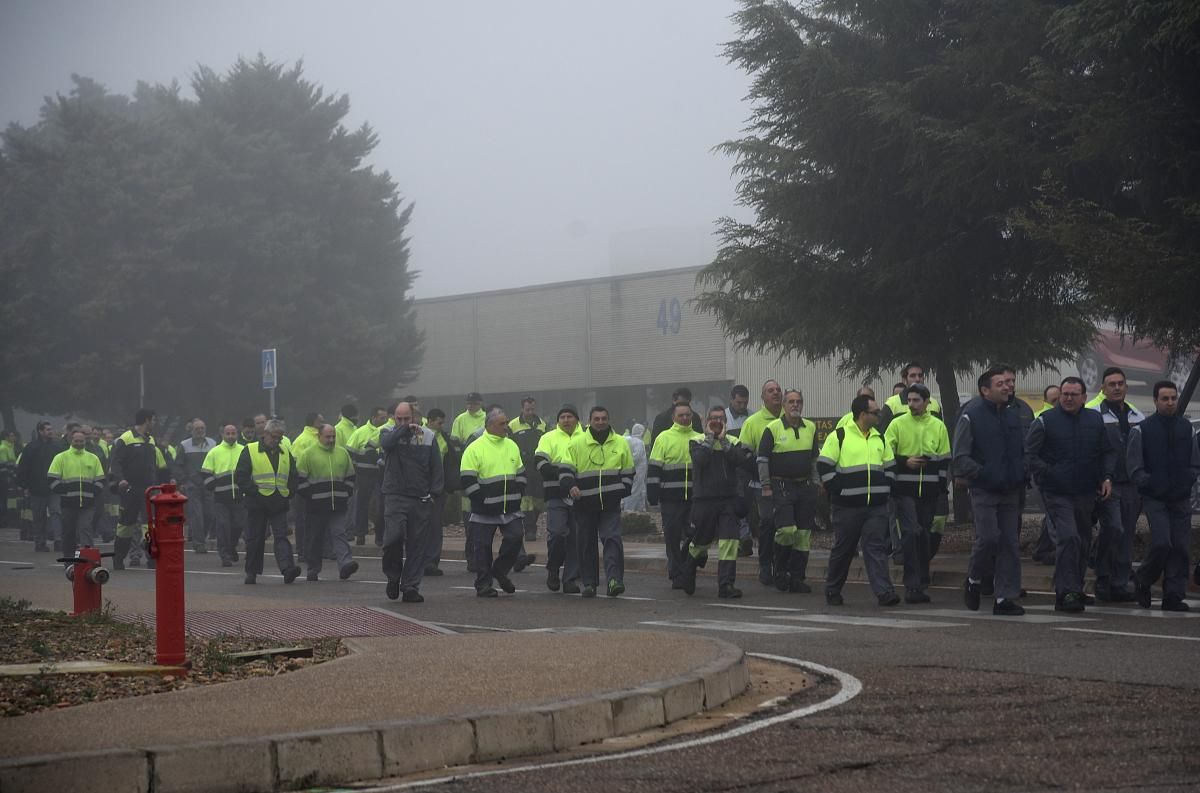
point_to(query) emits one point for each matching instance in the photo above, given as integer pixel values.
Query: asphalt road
(951, 700)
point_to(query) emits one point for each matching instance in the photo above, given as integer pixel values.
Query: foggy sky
(530, 135)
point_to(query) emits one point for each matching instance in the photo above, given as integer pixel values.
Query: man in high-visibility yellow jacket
(562, 532)
(266, 473)
(597, 473)
(347, 423)
(761, 528)
(76, 475)
(787, 457)
(493, 478)
(669, 480)
(363, 446)
(229, 513)
(921, 446)
(857, 471)
(325, 484)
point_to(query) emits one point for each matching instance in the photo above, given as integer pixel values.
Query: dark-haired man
(1163, 458)
(989, 459)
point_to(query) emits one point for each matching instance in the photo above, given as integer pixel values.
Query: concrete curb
(376, 751)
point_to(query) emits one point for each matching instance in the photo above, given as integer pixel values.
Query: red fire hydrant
(87, 577)
(164, 544)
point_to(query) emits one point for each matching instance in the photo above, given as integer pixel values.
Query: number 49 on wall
(670, 316)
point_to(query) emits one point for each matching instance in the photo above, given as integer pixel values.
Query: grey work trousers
(997, 540)
(1071, 524)
(562, 540)
(258, 523)
(602, 527)
(76, 528)
(366, 502)
(199, 512)
(326, 526)
(405, 535)
(676, 528)
(1170, 535)
(47, 518)
(852, 526)
(915, 516)
(1114, 546)
(229, 518)
(433, 545)
(512, 535)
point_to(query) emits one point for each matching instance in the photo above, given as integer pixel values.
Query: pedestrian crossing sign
(270, 372)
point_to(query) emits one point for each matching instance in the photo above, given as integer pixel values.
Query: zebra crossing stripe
(1134, 612)
(868, 622)
(986, 614)
(774, 629)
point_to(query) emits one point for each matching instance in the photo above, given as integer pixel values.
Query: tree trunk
(947, 384)
(1189, 388)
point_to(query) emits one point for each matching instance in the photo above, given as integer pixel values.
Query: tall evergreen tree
(887, 145)
(186, 235)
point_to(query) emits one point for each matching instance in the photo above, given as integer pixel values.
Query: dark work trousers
(793, 519)
(433, 545)
(99, 510)
(1114, 546)
(366, 503)
(717, 520)
(405, 535)
(604, 527)
(676, 527)
(300, 520)
(997, 537)
(47, 518)
(198, 511)
(766, 529)
(76, 527)
(512, 534)
(562, 540)
(326, 527)
(258, 523)
(1071, 522)
(916, 521)
(852, 525)
(230, 521)
(1170, 534)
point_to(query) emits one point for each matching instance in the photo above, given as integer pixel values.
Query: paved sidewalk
(393, 706)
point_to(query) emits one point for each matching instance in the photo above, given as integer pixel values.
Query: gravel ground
(50, 637)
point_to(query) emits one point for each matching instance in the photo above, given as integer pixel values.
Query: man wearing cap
(562, 533)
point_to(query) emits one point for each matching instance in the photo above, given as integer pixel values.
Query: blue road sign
(270, 372)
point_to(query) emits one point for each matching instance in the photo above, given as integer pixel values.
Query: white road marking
(986, 614)
(736, 627)
(868, 622)
(850, 687)
(1139, 635)
(752, 608)
(1135, 612)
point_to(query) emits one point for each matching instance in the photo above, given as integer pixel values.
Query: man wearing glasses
(1072, 460)
(1119, 514)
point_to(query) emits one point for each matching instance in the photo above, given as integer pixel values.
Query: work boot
(589, 591)
(765, 577)
(1142, 594)
(729, 592)
(798, 586)
(434, 571)
(312, 576)
(1072, 603)
(834, 599)
(393, 589)
(251, 578)
(615, 587)
(1174, 603)
(570, 587)
(971, 595)
(505, 582)
(889, 599)
(553, 582)
(291, 574)
(412, 596)
(1006, 608)
(489, 592)
(226, 563)
(350, 569)
(916, 597)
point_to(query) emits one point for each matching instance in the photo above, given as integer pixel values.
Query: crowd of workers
(722, 476)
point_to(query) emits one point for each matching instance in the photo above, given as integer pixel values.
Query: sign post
(270, 375)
